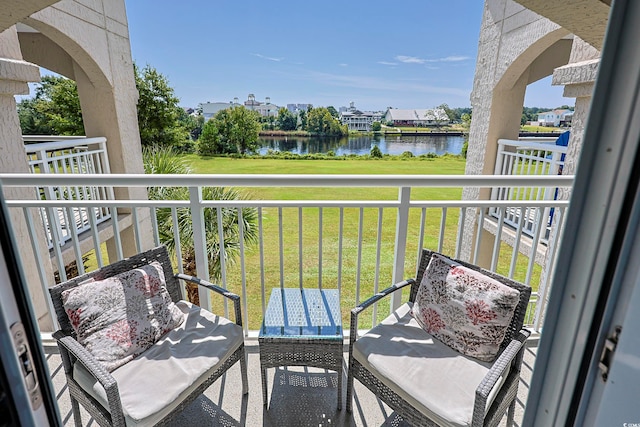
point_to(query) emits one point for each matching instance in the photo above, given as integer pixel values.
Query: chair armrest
(512, 354)
(355, 312)
(215, 288)
(94, 367)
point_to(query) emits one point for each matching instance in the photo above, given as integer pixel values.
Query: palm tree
(161, 160)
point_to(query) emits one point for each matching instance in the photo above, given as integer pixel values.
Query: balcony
(356, 243)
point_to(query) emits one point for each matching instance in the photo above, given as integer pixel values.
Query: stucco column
(578, 78)
(515, 48)
(14, 75)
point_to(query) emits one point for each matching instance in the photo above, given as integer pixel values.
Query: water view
(392, 144)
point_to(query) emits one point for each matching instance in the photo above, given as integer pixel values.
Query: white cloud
(376, 83)
(343, 65)
(415, 60)
(387, 63)
(452, 58)
(410, 59)
(269, 58)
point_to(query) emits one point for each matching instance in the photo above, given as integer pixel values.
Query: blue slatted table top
(312, 313)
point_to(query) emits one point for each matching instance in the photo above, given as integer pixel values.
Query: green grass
(529, 128)
(309, 259)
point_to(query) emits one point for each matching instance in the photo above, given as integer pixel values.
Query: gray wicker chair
(486, 408)
(109, 406)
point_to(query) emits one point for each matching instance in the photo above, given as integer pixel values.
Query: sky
(405, 54)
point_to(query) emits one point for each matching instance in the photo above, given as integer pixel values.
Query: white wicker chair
(111, 397)
(487, 398)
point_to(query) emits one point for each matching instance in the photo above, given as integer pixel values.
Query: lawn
(304, 265)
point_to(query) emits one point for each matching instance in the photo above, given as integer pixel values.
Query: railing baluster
(177, 247)
(280, 238)
(300, 250)
(479, 232)
(461, 221)
(535, 241)
(402, 225)
(136, 228)
(261, 247)
(154, 221)
(199, 243)
(243, 274)
(498, 238)
(423, 220)
(222, 256)
(376, 279)
(40, 266)
(340, 241)
(320, 248)
(96, 237)
(76, 245)
(359, 258)
(516, 245)
(443, 223)
(117, 240)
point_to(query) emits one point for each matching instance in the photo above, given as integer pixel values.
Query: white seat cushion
(154, 383)
(438, 381)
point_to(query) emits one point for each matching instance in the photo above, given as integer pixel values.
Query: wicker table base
(302, 328)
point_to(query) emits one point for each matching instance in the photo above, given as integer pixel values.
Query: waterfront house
(555, 118)
(417, 117)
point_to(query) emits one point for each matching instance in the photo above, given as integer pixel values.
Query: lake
(392, 144)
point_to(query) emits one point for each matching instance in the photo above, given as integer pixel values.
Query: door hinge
(608, 350)
(23, 352)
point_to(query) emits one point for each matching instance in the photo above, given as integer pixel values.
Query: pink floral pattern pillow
(463, 308)
(118, 318)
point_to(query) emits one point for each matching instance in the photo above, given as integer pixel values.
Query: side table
(302, 327)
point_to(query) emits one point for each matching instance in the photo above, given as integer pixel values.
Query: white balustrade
(343, 244)
(69, 155)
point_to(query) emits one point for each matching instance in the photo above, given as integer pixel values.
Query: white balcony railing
(358, 245)
(525, 157)
(69, 155)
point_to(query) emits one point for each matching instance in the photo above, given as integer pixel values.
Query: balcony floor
(297, 397)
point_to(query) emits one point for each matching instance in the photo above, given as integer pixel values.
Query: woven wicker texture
(302, 328)
(510, 356)
(72, 352)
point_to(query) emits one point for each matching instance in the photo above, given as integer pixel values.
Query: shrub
(465, 147)
(375, 152)
(407, 155)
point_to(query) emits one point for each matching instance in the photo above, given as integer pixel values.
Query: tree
(158, 110)
(163, 160)
(333, 111)
(32, 121)
(55, 109)
(286, 120)
(320, 121)
(376, 126)
(233, 130)
(376, 153)
(302, 115)
(451, 114)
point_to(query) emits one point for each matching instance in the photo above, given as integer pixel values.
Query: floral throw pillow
(463, 308)
(118, 318)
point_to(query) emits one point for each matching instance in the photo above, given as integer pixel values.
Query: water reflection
(362, 144)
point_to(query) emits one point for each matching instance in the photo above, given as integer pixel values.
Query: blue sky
(406, 54)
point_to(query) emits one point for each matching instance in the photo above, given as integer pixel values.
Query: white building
(555, 117)
(209, 109)
(359, 120)
(266, 109)
(417, 117)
